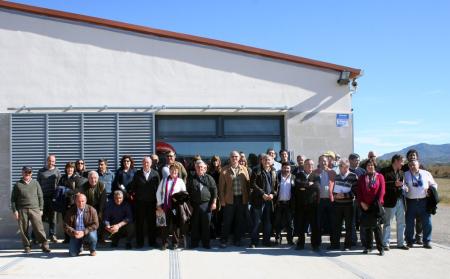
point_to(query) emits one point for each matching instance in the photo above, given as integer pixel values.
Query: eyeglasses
(80, 163)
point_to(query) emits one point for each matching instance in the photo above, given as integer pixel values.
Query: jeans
(75, 244)
(417, 207)
(399, 212)
(262, 214)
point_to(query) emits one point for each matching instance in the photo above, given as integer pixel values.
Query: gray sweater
(27, 196)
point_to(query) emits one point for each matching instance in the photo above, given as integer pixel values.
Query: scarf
(168, 196)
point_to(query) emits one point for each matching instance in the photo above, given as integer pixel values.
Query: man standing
(284, 158)
(27, 204)
(96, 197)
(271, 152)
(264, 187)
(81, 224)
(117, 220)
(143, 188)
(418, 182)
(342, 194)
(105, 176)
(233, 196)
(306, 194)
(48, 177)
(170, 160)
(394, 203)
(203, 195)
(326, 215)
(354, 160)
(283, 209)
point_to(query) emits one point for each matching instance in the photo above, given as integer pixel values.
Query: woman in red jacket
(371, 188)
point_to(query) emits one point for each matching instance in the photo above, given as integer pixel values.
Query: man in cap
(27, 204)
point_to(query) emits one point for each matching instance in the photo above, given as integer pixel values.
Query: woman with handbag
(166, 189)
(370, 193)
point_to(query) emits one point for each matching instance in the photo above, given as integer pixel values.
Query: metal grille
(71, 136)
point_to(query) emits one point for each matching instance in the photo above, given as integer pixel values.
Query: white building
(83, 87)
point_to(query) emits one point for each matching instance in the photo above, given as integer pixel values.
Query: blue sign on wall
(342, 119)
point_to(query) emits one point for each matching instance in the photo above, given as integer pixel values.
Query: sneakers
(27, 250)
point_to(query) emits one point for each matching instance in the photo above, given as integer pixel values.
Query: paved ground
(233, 262)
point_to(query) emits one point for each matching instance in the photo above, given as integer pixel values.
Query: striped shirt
(79, 223)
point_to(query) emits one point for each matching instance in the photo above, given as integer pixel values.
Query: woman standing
(166, 189)
(371, 188)
(72, 181)
(124, 175)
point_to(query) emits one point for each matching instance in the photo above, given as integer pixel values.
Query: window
(220, 134)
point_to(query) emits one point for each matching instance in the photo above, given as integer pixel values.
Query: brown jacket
(226, 184)
(90, 219)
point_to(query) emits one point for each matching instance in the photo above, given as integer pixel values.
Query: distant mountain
(428, 153)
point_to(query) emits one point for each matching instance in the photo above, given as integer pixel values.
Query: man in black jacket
(306, 194)
(264, 187)
(143, 188)
(202, 190)
(394, 202)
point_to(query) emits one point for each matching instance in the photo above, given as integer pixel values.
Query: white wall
(47, 62)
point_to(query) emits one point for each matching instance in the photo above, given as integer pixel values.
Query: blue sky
(402, 46)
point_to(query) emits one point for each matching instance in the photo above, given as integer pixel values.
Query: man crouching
(81, 224)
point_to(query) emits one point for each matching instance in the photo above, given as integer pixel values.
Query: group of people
(175, 203)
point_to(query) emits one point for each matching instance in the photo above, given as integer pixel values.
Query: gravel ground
(441, 225)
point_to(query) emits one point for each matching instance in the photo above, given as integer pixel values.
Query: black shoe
(128, 246)
(386, 248)
(419, 241)
(409, 245)
(175, 246)
(427, 246)
(404, 247)
(332, 247)
(164, 246)
(381, 252)
(27, 250)
(238, 243)
(207, 246)
(316, 249)
(347, 248)
(290, 242)
(114, 244)
(365, 251)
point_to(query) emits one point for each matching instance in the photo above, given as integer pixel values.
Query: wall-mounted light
(344, 78)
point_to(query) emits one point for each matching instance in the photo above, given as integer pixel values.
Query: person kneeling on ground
(117, 220)
(81, 224)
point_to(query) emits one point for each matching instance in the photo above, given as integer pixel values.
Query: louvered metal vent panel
(100, 134)
(28, 143)
(135, 136)
(64, 138)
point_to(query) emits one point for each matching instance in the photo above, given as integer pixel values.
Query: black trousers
(126, 231)
(145, 214)
(283, 220)
(200, 222)
(236, 213)
(171, 228)
(342, 211)
(308, 214)
(369, 232)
